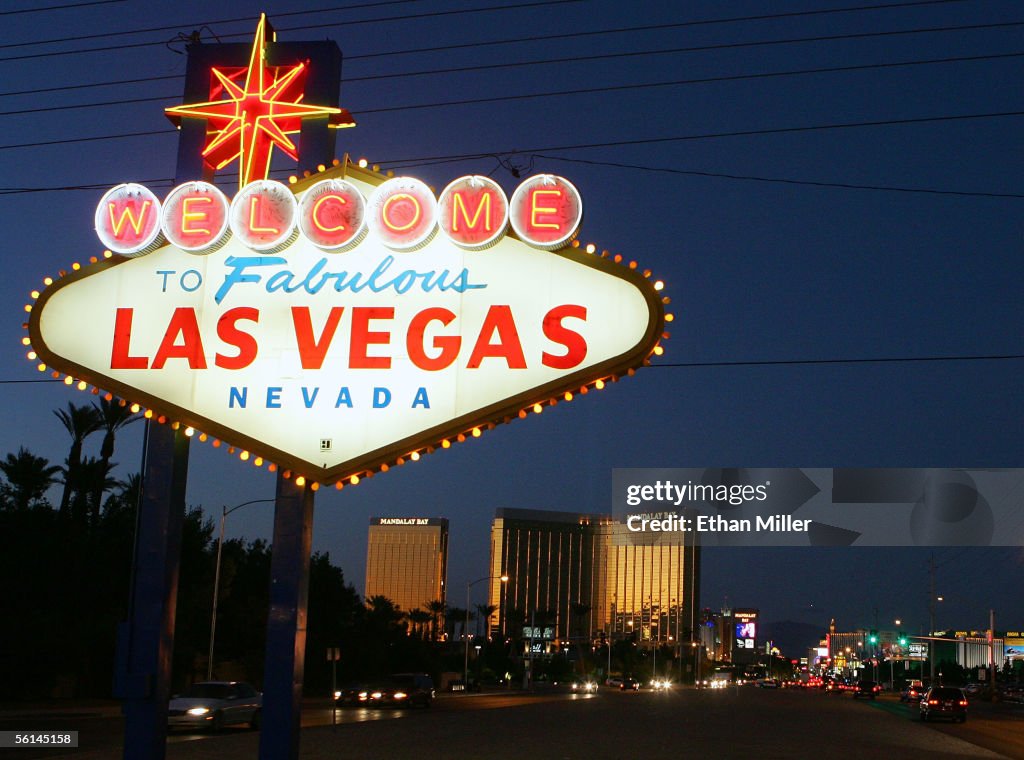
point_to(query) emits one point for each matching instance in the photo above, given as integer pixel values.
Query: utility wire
(177, 27)
(715, 135)
(681, 82)
(780, 180)
(582, 58)
(674, 51)
(753, 363)
(530, 96)
(354, 22)
(58, 7)
(609, 144)
(815, 362)
(447, 48)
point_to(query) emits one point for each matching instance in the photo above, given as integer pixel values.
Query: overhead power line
(864, 360)
(753, 363)
(199, 25)
(781, 180)
(58, 7)
(348, 23)
(448, 48)
(681, 82)
(607, 144)
(572, 92)
(551, 61)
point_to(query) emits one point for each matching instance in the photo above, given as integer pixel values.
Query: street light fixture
(216, 578)
(465, 628)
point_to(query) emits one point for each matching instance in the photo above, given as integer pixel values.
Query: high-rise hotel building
(407, 560)
(586, 574)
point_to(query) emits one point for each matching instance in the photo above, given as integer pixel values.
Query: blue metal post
(146, 642)
(286, 621)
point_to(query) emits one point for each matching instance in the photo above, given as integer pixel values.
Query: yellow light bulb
(300, 481)
(354, 480)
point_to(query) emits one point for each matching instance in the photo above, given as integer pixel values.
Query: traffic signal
(873, 638)
(903, 641)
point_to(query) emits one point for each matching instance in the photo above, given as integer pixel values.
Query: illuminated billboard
(346, 322)
(337, 352)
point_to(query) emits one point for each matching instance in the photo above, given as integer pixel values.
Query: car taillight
(933, 701)
(963, 703)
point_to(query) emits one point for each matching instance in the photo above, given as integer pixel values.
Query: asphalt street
(731, 723)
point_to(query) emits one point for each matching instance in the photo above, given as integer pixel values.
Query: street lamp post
(216, 579)
(465, 628)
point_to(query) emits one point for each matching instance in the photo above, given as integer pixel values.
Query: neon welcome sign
(347, 322)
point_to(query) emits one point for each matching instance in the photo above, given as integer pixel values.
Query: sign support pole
(146, 643)
(286, 621)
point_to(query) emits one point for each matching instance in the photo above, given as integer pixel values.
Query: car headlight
(376, 695)
(337, 694)
(199, 711)
(400, 695)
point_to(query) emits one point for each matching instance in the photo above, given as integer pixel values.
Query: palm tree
(419, 618)
(112, 417)
(80, 422)
(436, 609)
(28, 477)
(93, 478)
(484, 612)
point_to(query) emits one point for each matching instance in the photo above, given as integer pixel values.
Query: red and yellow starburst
(263, 106)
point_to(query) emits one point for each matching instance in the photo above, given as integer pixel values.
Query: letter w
(128, 213)
(313, 350)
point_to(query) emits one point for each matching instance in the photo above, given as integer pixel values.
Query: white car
(215, 704)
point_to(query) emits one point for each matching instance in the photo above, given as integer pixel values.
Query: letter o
(402, 213)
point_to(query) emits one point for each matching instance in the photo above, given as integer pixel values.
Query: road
(732, 723)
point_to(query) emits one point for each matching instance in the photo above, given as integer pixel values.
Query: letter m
(484, 206)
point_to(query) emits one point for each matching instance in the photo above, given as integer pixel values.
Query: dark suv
(944, 702)
(867, 689)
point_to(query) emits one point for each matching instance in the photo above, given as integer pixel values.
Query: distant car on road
(912, 692)
(399, 690)
(212, 705)
(944, 702)
(584, 686)
(629, 684)
(348, 696)
(768, 683)
(613, 682)
(869, 689)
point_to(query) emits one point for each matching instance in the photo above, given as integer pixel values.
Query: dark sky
(811, 183)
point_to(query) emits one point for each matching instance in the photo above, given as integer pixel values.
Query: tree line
(66, 566)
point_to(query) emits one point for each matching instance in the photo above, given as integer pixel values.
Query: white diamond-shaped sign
(332, 364)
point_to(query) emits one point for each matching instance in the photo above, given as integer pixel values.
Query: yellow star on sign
(258, 113)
